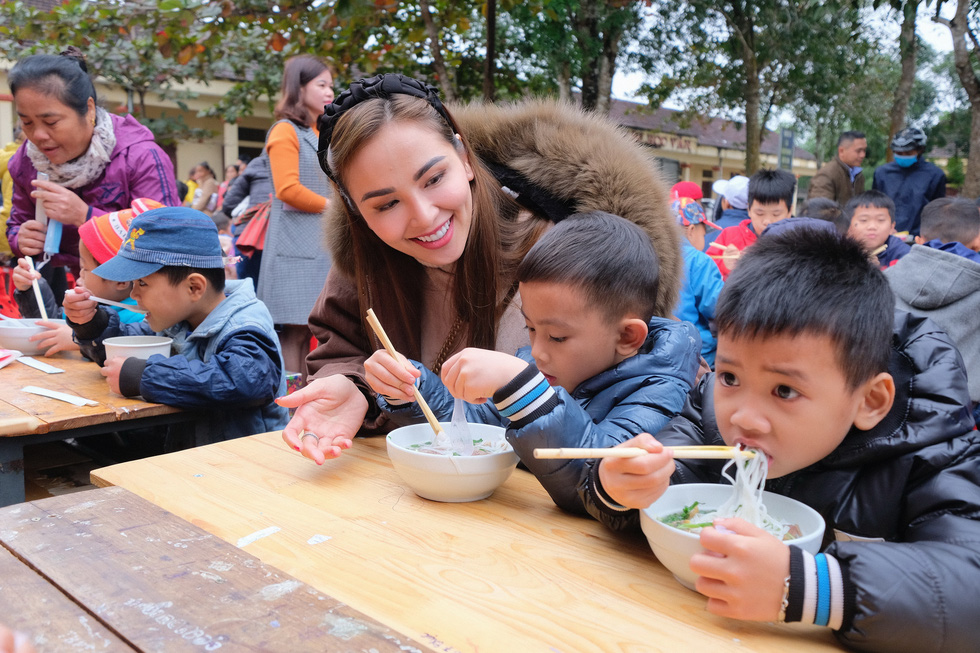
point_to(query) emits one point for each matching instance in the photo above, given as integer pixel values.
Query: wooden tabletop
(22, 413)
(105, 570)
(509, 573)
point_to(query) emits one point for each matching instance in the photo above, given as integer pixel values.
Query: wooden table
(510, 573)
(105, 570)
(32, 419)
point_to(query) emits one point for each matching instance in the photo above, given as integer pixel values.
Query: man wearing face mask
(910, 180)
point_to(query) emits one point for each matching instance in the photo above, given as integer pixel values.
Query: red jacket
(741, 235)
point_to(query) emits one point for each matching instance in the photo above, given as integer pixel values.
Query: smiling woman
(96, 162)
(437, 209)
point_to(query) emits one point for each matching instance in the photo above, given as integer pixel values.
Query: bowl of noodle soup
(447, 477)
(672, 524)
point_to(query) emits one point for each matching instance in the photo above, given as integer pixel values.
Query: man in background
(841, 178)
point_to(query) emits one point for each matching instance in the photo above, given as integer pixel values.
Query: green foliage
(955, 174)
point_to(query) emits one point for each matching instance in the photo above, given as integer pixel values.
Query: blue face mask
(905, 161)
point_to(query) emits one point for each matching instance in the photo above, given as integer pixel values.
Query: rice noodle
(746, 500)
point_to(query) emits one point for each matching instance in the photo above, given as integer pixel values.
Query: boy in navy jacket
(862, 412)
(600, 369)
(227, 357)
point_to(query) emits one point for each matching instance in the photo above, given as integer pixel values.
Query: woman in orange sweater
(295, 262)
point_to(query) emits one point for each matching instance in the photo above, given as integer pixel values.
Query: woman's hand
(474, 375)
(60, 203)
(389, 377)
(637, 482)
(30, 238)
(57, 338)
(332, 409)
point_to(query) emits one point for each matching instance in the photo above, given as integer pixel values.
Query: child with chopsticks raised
(862, 413)
(98, 240)
(600, 369)
(871, 221)
(227, 359)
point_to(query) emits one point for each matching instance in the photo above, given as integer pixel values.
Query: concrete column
(7, 119)
(230, 148)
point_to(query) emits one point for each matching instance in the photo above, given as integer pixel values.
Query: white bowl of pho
(673, 523)
(453, 478)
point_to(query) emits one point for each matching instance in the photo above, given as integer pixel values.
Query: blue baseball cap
(171, 236)
(688, 212)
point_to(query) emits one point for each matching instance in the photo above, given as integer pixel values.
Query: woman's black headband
(379, 86)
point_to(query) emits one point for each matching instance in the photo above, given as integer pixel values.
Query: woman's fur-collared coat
(564, 159)
(582, 159)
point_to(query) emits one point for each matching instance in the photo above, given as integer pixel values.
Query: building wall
(684, 159)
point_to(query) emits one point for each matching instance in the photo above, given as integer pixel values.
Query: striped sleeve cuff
(816, 589)
(525, 398)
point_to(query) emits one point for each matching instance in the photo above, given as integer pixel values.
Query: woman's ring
(307, 433)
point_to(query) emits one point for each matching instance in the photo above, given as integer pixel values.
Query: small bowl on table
(137, 346)
(445, 477)
(15, 334)
(674, 547)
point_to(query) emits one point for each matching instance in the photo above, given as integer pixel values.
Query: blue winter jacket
(895, 248)
(230, 365)
(911, 189)
(699, 294)
(640, 395)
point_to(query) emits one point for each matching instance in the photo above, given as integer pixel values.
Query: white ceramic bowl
(14, 335)
(137, 346)
(453, 479)
(674, 547)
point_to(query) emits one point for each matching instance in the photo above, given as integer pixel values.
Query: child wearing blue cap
(226, 351)
(702, 280)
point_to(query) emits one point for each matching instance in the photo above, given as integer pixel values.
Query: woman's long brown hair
(484, 274)
(299, 72)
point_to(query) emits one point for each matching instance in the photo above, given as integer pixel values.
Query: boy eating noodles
(227, 353)
(770, 200)
(600, 369)
(862, 414)
(871, 220)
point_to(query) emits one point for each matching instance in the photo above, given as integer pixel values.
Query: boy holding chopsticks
(600, 370)
(862, 412)
(770, 200)
(98, 241)
(227, 357)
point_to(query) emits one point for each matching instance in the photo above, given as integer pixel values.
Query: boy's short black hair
(771, 186)
(609, 257)
(950, 219)
(874, 199)
(824, 208)
(816, 282)
(177, 273)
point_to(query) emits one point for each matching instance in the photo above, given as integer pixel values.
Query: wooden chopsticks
(372, 319)
(707, 451)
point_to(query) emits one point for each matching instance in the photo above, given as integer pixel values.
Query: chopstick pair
(703, 452)
(372, 319)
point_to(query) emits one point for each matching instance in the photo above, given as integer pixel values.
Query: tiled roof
(713, 132)
(44, 5)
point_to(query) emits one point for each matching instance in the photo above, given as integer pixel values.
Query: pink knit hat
(104, 234)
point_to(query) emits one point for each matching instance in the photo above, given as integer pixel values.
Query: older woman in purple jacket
(96, 162)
